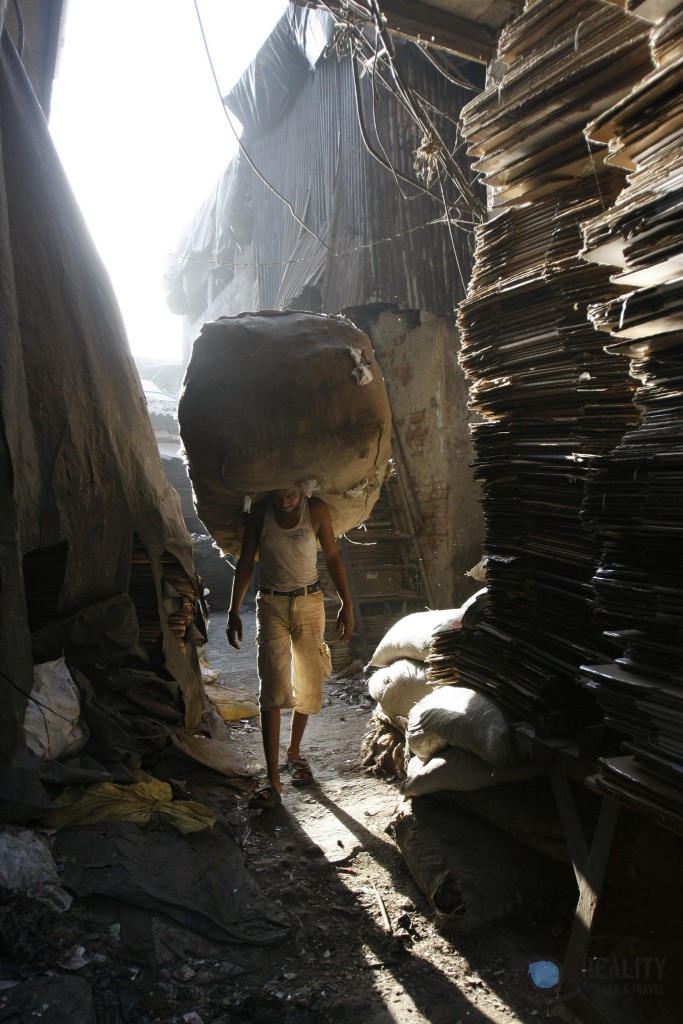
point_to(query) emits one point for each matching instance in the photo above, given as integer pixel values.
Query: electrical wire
(441, 160)
(405, 106)
(463, 225)
(437, 110)
(399, 95)
(455, 251)
(373, 93)
(387, 162)
(454, 79)
(363, 130)
(404, 94)
(423, 120)
(247, 157)
(22, 30)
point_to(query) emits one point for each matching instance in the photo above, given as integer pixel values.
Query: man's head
(288, 499)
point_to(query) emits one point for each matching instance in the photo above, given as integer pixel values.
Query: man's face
(287, 500)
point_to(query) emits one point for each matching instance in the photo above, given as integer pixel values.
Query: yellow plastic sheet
(145, 802)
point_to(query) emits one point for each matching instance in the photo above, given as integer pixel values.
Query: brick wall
(419, 359)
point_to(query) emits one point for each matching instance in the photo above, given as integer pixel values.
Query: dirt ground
(362, 945)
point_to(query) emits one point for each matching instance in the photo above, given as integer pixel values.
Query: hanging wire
(432, 147)
(366, 140)
(453, 245)
(373, 93)
(432, 156)
(437, 110)
(377, 75)
(248, 158)
(421, 118)
(463, 225)
(452, 76)
(22, 31)
(428, 154)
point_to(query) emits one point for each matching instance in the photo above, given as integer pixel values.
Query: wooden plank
(591, 874)
(439, 28)
(576, 840)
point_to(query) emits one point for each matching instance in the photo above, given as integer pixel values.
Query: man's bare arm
(322, 524)
(243, 573)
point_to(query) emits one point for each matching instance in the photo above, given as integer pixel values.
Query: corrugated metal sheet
(372, 240)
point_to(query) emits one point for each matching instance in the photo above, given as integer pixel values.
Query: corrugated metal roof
(371, 238)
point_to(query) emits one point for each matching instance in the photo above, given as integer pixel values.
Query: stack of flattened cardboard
(568, 62)
(636, 498)
(552, 401)
(652, 11)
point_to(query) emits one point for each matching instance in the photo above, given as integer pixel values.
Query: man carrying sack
(293, 659)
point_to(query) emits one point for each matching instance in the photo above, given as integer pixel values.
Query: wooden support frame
(590, 862)
(443, 29)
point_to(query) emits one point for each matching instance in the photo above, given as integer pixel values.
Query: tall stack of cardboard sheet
(636, 498)
(552, 401)
(567, 62)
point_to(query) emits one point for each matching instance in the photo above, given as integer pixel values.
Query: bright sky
(142, 135)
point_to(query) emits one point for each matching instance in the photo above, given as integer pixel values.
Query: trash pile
(93, 808)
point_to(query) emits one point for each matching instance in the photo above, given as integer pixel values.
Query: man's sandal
(266, 798)
(300, 770)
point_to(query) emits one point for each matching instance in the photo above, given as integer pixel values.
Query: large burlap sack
(472, 873)
(277, 400)
(398, 687)
(459, 771)
(454, 716)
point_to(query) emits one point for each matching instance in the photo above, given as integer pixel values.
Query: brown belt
(312, 588)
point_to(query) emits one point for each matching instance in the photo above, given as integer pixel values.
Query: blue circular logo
(544, 973)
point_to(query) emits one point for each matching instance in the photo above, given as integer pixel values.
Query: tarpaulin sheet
(198, 880)
(369, 237)
(271, 82)
(80, 466)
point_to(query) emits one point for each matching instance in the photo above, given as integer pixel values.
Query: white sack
(27, 866)
(51, 726)
(398, 687)
(454, 716)
(411, 636)
(456, 769)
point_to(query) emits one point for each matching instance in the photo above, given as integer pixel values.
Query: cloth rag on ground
(198, 880)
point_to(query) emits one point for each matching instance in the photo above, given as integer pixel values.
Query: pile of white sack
(454, 738)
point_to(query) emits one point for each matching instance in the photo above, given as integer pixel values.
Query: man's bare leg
(300, 772)
(270, 733)
(296, 732)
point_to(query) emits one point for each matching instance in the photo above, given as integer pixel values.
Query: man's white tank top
(288, 557)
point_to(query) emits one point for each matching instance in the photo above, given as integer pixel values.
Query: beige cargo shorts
(293, 659)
